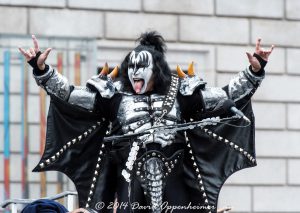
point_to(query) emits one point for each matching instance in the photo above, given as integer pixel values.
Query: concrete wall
(218, 31)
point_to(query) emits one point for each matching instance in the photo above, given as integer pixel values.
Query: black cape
(74, 146)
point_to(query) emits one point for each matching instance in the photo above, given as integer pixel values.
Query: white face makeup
(140, 67)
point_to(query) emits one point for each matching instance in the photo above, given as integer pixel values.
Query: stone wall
(219, 32)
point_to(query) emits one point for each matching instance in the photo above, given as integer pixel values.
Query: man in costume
(147, 140)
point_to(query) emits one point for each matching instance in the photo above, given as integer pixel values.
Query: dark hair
(155, 44)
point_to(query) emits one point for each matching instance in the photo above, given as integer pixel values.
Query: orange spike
(105, 69)
(114, 73)
(180, 73)
(191, 71)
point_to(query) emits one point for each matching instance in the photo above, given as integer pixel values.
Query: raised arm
(53, 82)
(244, 84)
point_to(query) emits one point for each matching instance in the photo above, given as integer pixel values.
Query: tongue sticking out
(138, 84)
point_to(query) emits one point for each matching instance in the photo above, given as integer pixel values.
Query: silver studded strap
(169, 99)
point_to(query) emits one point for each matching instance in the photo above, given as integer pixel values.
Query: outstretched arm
(245, 83)
(53, 82)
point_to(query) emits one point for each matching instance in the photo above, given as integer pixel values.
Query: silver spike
(92, 186)
(79, 137)
(85, 134)
(98, 123)
(57, 154)
(47, 161)
(89, 199)
(69, 144)
(74, 141)
(42, 165)
(220, 138)
(64, 147)
(236, 146)
(226, 141)
(53, 158)
(96, 173)
(94, 127)
(214, 135)
(87, 205)
(97, 166)
(61, 151)
(90, 130)
(191, 152)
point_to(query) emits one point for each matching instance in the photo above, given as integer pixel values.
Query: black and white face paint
(140, 71)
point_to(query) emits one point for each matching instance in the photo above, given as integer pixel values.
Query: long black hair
(154, 43)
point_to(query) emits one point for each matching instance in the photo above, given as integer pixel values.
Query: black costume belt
(166, 165)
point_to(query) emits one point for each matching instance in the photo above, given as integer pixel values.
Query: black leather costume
(156, 172)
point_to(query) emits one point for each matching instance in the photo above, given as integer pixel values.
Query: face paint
(140, 71)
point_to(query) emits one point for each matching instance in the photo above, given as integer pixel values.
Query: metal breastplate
(139, 112)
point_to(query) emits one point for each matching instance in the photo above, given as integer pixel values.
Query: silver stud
(206, 201)
(85, 134)
(231, 144)
(42, 165)
(236, 146)
(57, 154)
(204, 194)
(241, 150)
(103, 145)
(214, 135)
(94, 179)
(194, 164)
(191, 152)
(79, 137)
(74, 141)
(99, 159)
(220, 138)
(226, 141)
(89, 199)
(197, 170)
(138, 173)
(47, 161)
(69, 144)
(188, 145)
(87, 205)
(90, 130)
(96, 173)
(94, 127)
(65, 147)
(153, 154)
(97, 166)
(205, 130)
(100, 152)
(53, 158)
(91, 192)
(92, 186)
(202, 188)
(98, 123)
(61, 150)
(169, 170)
